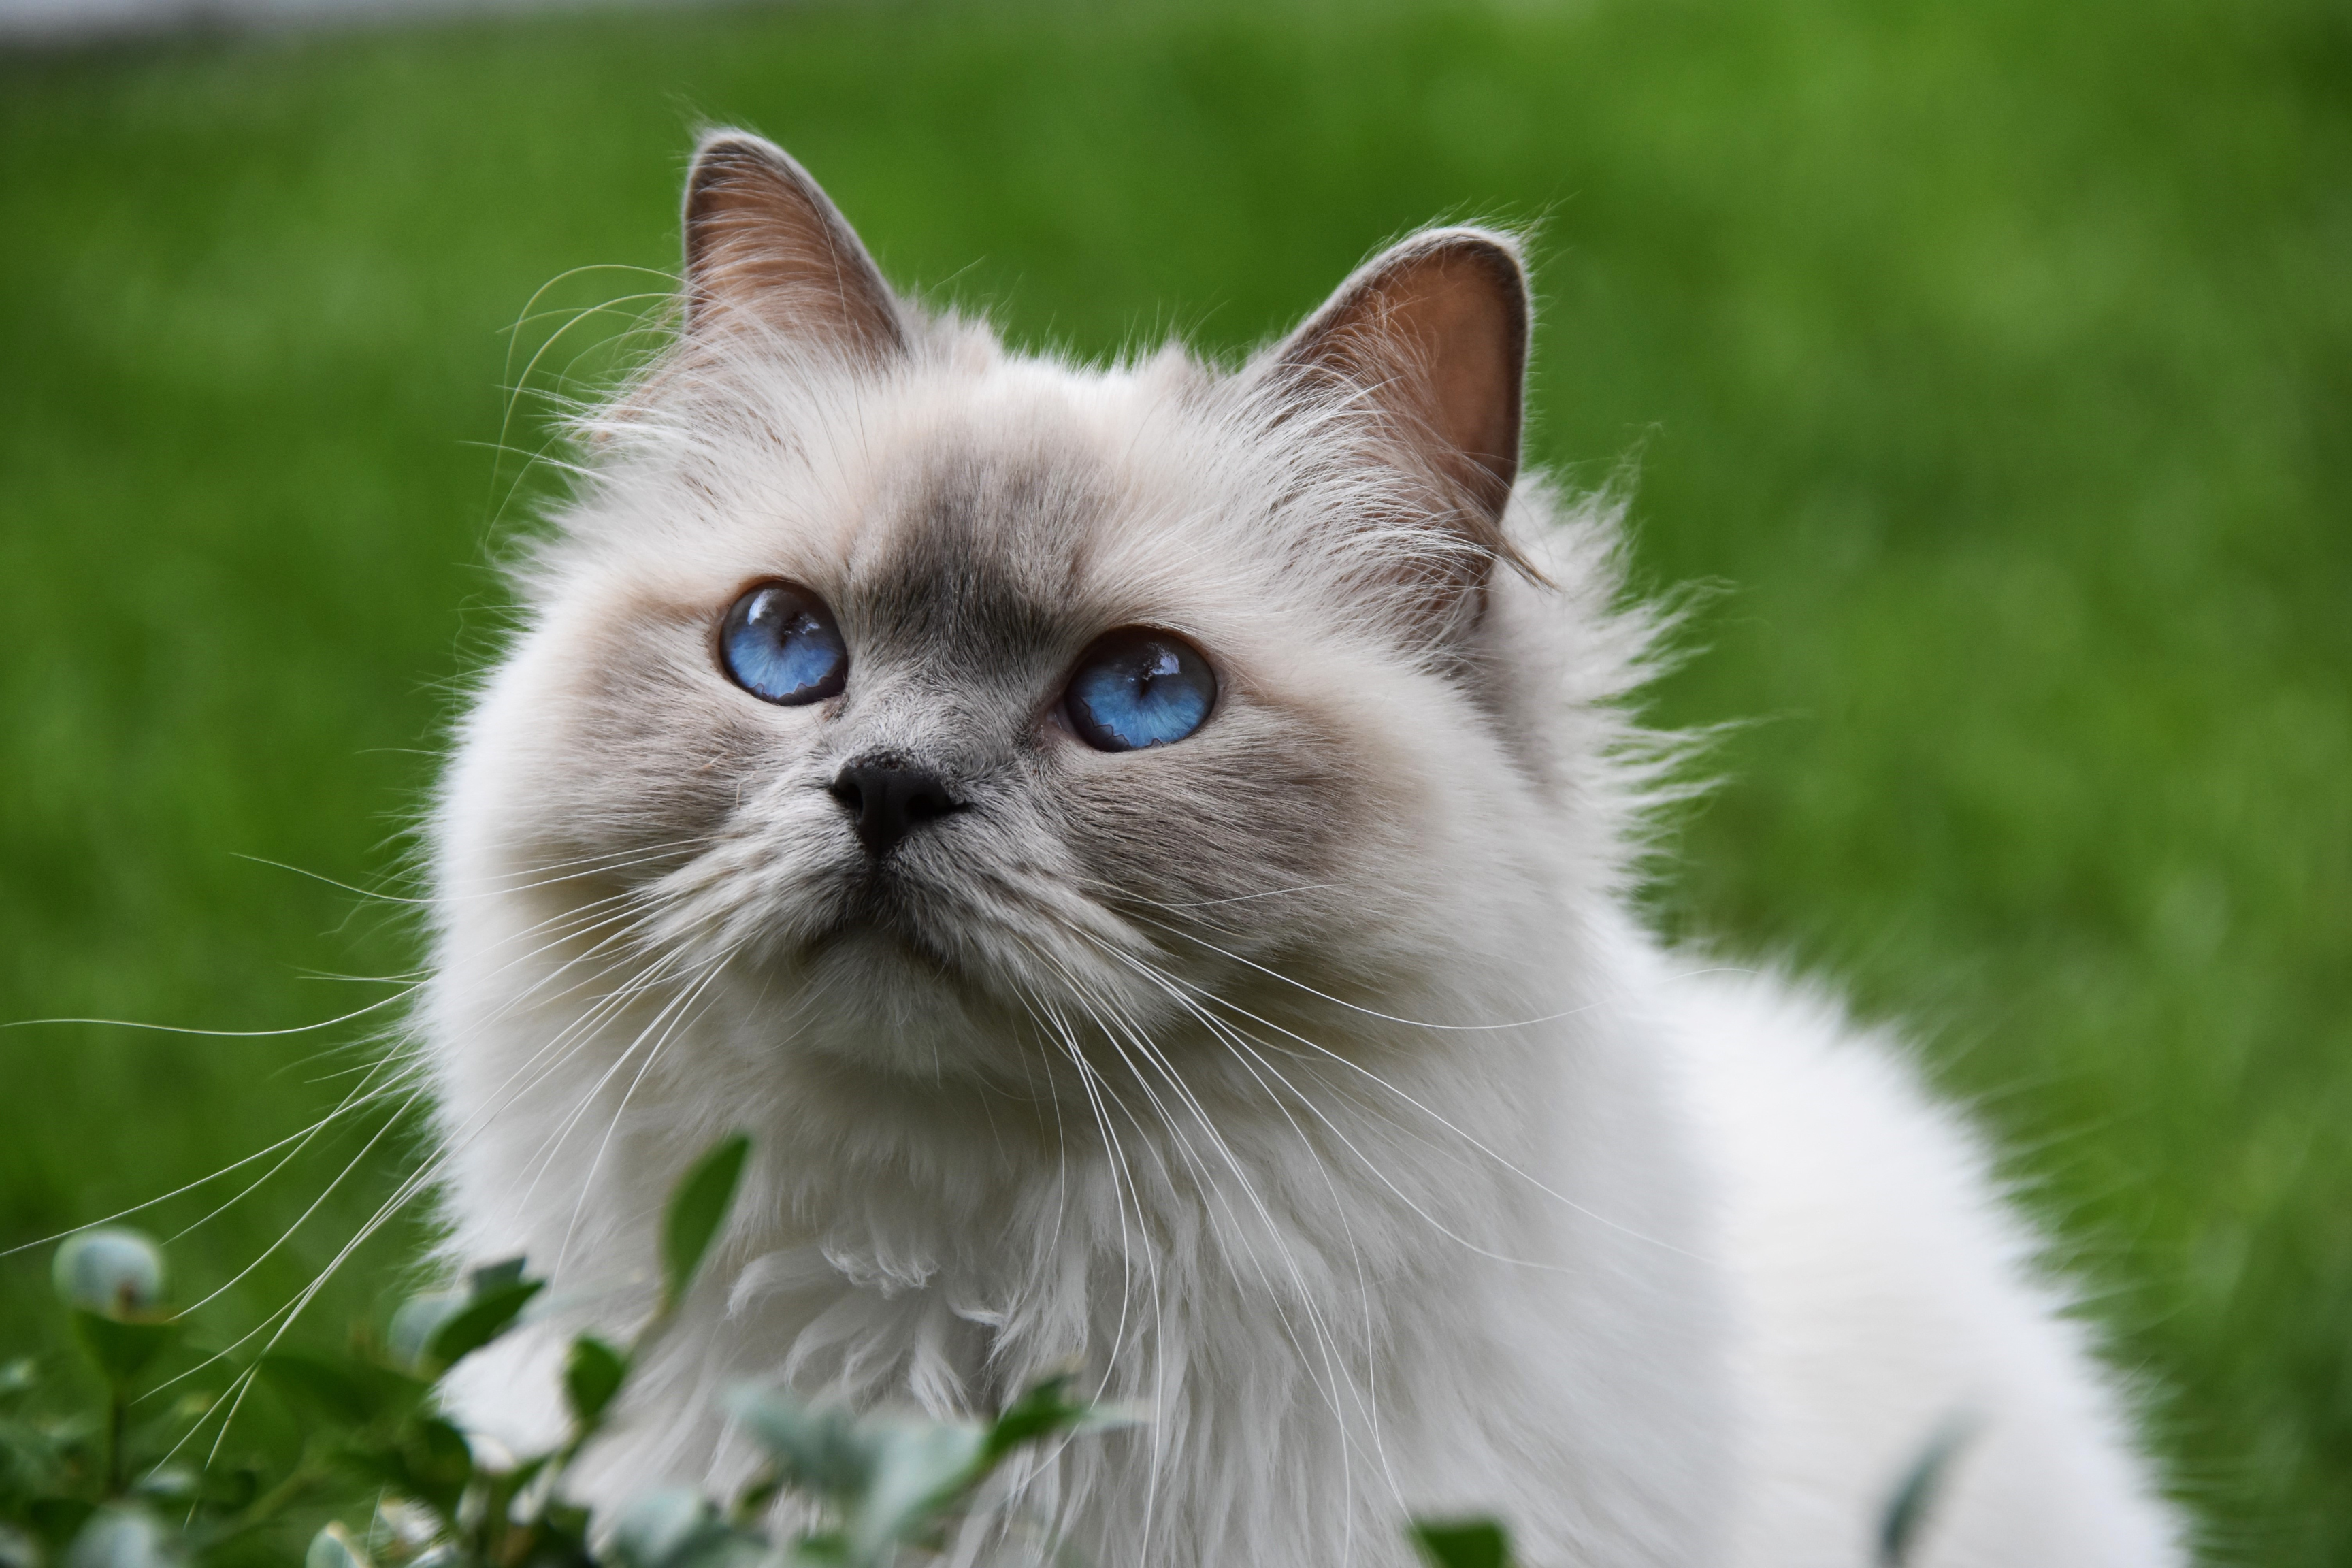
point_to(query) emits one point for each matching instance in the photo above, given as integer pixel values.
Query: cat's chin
(878, 936)
(874, 993)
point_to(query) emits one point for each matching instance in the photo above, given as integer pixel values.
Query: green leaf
(592, 1376)
(317, 1386)
(121, 1347)
(484, 1319)
(426, 1460)
(559, 1539)
(1041, 1411)
(1046, 1410)
(375, 1460)
(662, 1525)
(227, 1490)
(518, 1479)
(758, 1492)
(438, 1456)
(676, 1528)
(409, 1338)
(18, 1377)
(58, 1519)
(817, 1450)
(697, 1208)
(920, 1468)
(727, 1549)
(1461, 1542)
(505, 1273)
(1908, 1509)
(349, 1393)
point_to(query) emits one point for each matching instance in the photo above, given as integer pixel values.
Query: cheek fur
(653, 752)
(1253, 811)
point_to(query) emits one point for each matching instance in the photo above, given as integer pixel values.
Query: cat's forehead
(970, 539)
(1013, 518)
(1009, 511)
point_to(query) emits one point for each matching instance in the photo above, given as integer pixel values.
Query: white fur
(1485, 1201)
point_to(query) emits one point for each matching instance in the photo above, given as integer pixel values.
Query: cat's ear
(765, 250)
(1432, 336)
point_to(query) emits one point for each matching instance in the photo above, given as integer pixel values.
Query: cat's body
(1302, 1078)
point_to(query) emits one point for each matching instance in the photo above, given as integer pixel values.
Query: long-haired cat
(1146, 852)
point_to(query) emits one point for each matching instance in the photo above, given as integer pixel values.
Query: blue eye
(1136, 688)
(780, 645)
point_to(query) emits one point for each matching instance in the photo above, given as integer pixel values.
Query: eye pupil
(780, 644)
(1136, 688)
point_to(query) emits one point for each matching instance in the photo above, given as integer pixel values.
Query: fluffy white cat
(1146, 852)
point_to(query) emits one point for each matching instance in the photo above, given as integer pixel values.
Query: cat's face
(951, 702)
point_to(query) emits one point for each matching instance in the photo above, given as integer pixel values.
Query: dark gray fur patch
(986, 553)
(966, 613)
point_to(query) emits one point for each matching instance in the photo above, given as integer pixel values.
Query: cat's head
(949, 700)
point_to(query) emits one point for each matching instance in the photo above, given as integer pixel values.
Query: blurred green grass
(1995, 361)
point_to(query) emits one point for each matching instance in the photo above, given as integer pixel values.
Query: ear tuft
(767, 251)
(1432, 333)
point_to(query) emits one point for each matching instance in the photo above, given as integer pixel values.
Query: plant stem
(117, 1416)
(306, 1474)
(258, 1510)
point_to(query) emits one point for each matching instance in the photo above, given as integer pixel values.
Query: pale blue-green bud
(116, 1273)
(333, 1547)
(125, 1538)
(168, 1483)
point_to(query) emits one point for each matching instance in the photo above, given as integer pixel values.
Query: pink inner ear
(1469, 336)
(764, 247)
(1435, 331)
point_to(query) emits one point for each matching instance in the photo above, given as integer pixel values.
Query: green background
(1988, 364)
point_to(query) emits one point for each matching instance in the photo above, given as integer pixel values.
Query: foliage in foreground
(398, 1483)
(401, 1486)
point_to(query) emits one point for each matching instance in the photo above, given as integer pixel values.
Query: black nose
(887, 798)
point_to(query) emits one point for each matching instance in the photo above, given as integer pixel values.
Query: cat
(1147, 854)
